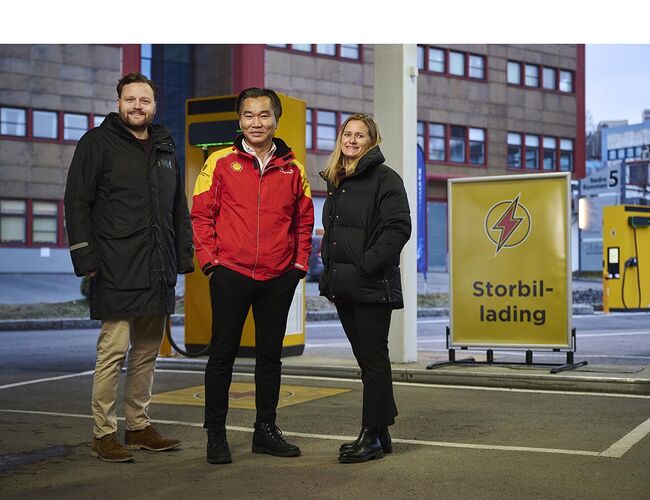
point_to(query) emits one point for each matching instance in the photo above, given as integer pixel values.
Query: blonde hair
(337, 162)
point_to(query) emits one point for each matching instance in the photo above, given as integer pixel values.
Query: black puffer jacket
(367, 223)
(127, 218)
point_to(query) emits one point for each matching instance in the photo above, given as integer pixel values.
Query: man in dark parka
(129, 230)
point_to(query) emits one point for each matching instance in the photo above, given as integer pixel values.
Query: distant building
(646, 115)
(482, 110)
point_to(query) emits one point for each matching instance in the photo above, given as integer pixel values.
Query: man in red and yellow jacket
(252, 217)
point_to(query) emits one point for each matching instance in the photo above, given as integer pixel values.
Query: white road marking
(618, 449)
(348, 438)
(38, 381)
(434, 386)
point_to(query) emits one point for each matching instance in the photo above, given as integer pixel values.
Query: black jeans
(366, 326)
(232, 294)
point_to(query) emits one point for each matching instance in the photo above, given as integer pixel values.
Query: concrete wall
(73, 78)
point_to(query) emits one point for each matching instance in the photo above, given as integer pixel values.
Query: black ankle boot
(267, 438)
(218, 451)
(384, 439)
(367, 448)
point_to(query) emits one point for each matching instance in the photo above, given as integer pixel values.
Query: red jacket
(257, 225)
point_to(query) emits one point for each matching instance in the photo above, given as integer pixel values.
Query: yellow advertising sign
(510, 258)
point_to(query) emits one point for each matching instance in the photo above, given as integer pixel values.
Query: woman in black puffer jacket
(367, 223)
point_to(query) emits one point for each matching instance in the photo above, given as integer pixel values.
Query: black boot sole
(261, 449)
(366, 458)
(388, 449)
(220, 460)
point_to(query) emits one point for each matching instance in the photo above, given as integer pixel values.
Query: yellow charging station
(211, 123)
(626, 258)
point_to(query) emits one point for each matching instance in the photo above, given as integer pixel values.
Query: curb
(452, 376)
(179, 319)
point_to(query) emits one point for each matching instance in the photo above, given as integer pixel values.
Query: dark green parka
(367, 223)
(127, 218)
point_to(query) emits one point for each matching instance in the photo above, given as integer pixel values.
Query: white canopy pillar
(396, 114)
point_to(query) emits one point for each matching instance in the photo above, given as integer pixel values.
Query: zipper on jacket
(257, 225)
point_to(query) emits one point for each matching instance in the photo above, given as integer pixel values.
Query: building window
(420, 53)
(326, 49)
(566, 155)
(532, 151)
(302, 47)
(549, 153)
(514, 150)
(436, 142)
(477, 67)
(350, 50)
(457, 144)
(326, 130)
(451, 62)
(145, 60)
(477, 146)
(611, 154)
(629, 152)
(97, 120)
(45, 125)
(548, 78)
(309, 119)
(74, 126)
(421, 136)
(343, 51)
(457, 63)
(436, 60)
(620, 154)
(13, 121)
(44, 222)
(13, 221)
(514, 73)
(566, 81)
(531, 78)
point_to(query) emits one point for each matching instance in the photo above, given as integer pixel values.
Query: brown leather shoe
(149, 439)
(109, 450)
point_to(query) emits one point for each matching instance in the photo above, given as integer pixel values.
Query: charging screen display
(612, 256)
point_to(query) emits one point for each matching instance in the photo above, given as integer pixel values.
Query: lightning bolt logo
(512, 224)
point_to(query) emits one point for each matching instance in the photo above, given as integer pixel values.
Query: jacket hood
(114, 124)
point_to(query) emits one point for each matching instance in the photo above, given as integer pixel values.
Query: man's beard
(139, 127)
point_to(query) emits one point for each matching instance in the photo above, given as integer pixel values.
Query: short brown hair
(135, 78)
(254, 92)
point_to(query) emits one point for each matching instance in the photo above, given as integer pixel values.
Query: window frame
(446, 140)
(313, 51)
(522, 65)
(559, 152)
(314, 126)
(425, 67)
(25, 125)
(28, 224)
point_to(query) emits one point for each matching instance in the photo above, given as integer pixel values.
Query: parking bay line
(49, 379)
(439, 444)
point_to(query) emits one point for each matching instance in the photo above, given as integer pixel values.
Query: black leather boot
(267, 438)
(367, 448)
(384, 439)
(218, 451)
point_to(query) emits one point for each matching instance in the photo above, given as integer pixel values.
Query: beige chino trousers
(144, 335)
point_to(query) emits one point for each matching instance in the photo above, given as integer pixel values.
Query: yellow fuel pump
(211, 123)
(626, 258)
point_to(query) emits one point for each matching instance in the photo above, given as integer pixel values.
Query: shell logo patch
(237, 167)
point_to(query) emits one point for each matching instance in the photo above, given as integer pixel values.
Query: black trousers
(366, 326)
(232, 294)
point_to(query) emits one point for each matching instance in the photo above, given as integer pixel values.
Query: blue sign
(422, 213)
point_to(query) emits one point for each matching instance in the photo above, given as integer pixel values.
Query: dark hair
(254, 92)
(135, 78)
